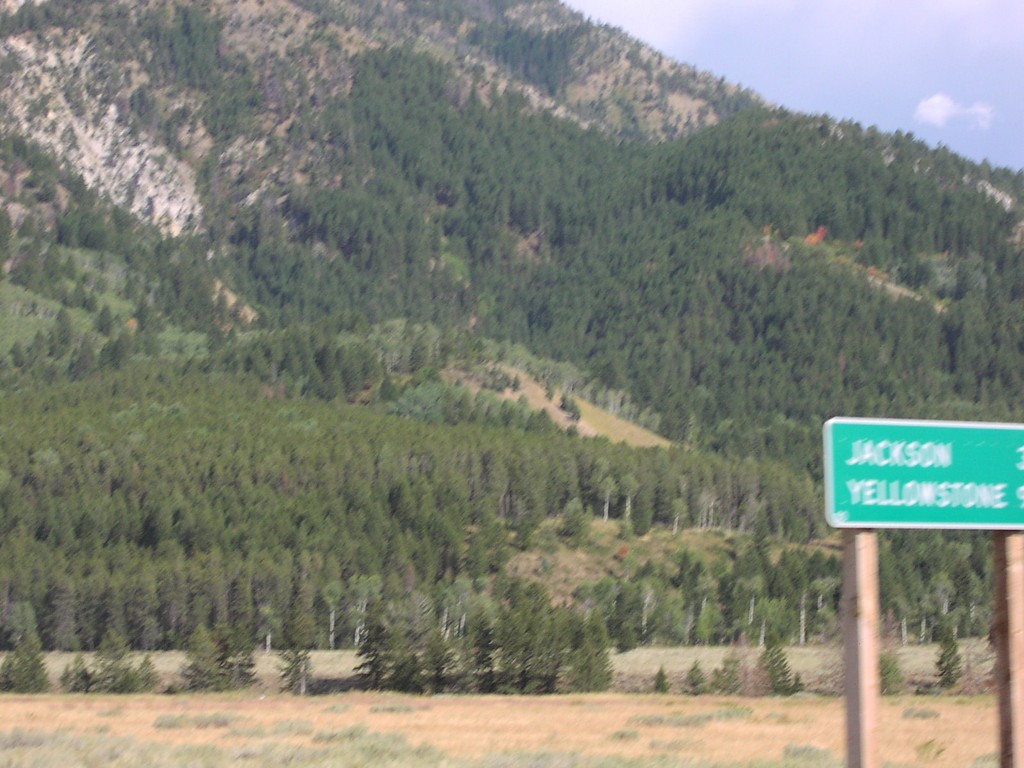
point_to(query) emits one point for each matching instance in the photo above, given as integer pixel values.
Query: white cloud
(939, 109)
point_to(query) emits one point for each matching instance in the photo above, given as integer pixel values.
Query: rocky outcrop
(58, 94)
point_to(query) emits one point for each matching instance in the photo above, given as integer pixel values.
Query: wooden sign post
(1008, 639)
(860, 642)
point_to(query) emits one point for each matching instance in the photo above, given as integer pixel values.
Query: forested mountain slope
(160, 498)
(164, 104)
(242, 241)
(329, 176)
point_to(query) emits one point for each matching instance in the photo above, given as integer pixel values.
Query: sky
(951, 72)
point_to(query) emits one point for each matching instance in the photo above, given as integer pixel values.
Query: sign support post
(860, 642)
(1008, 638)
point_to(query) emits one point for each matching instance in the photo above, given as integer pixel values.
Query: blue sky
(949, 71)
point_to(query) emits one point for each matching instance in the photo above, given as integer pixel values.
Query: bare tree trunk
(648, 604)
(803, 618)
(363, 605)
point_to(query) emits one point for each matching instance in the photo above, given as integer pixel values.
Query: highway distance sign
(894, 473)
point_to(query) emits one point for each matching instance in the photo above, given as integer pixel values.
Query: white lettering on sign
(900, 453)
(893, 493)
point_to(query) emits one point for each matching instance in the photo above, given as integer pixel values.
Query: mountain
(139, 96)
(439, 161)
(235, 232)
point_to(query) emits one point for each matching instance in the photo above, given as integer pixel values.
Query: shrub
(889, 673)
(113, 672)
(76, 677)
(727, 678)
(919, 713)
(575, 522)
(661, 681)
(696, 720)
(809, 754)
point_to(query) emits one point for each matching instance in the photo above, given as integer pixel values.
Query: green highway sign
(892, 473)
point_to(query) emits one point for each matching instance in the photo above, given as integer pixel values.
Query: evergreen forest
(263, 423)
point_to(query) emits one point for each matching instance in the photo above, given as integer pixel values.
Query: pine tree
(202, 671)
(23, 670)
(949, 665)
(146, 674)
(375, 649)
(437, 661)
(115, 672)
(299, 632)
(696, 680)
(235, 649)
(218, 661)
(590, 666)
(407, 673)
(481, 650)
(781, 680)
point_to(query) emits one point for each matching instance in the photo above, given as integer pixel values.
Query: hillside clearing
(593, 422)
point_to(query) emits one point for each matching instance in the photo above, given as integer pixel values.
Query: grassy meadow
(630, 726)
(378, 729)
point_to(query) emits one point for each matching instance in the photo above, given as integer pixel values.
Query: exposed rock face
(1005, 199)
(10, 6)
(59, 95)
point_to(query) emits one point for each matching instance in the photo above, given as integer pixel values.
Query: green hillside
(224, 328)
(158, 499)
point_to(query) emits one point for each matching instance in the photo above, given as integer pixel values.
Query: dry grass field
(574, 730)
(261, 727)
